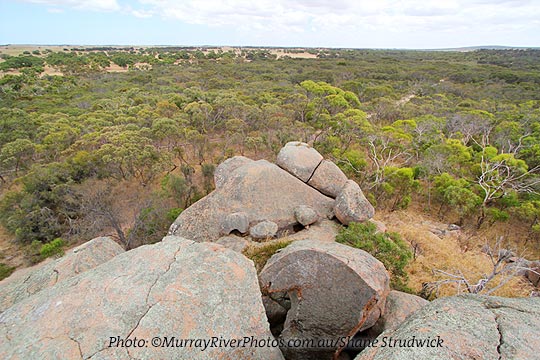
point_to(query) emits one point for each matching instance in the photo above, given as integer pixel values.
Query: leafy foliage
(54, 248)
(388, 248)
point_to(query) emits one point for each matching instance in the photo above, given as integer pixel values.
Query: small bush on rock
(388, 248)
(260, 254)
(55, 247)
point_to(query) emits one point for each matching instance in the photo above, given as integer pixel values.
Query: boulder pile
(264, 200)
(313, 299)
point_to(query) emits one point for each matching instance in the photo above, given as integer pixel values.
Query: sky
(407, 24)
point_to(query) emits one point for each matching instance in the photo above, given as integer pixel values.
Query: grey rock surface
(471, 327)
(299, 159)
(323, 230)
(236, 221)
(351, 204)
(226, 168)
(264, 230)
(332, 290)
(328, 179)
(305, 215)
(399, 306)
(260, 189)
(173, 288)
(29, 281)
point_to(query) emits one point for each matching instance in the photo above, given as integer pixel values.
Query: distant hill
(486, 47)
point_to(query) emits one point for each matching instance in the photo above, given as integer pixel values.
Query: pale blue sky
(335, 23)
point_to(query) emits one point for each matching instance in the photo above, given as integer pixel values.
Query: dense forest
(452, 134)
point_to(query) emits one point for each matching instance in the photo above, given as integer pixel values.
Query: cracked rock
(332, 290)
(260, 189)
(27, 282)
(299, 159)
(470, 327)
(328, 179)
(172, 288)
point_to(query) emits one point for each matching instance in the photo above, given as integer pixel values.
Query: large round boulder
(352, 205)
(261, 190)
(299, 159)
(156, 295)
(330, 290)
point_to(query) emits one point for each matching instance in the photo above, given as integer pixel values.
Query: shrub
(388, 248)
(53, 248)
(5, 271)
(173, 213)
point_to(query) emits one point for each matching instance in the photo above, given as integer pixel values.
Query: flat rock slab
(332, 290)
(324, 230)
(470, 327)
(299, 159)
(27, 282)
(235, 243)
(260, 189)
(173, 288)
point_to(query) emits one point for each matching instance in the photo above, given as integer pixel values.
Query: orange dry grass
(447, 254)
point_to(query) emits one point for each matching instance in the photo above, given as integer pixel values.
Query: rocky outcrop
(299, 159)
(352, 205)
(300, 190)
(261, 190)
(173, 288)
(330, 290)
(27, 282)
(465, 327)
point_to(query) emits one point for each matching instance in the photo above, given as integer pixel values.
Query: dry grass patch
(260, 253)
(447, 254)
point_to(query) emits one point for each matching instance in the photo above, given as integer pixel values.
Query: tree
(16, 155)
(499, 173)
(398, 186)
(456, 194)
